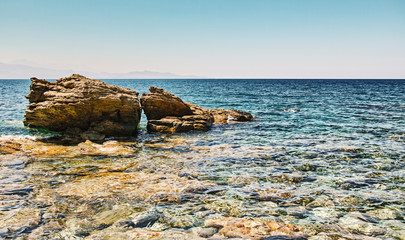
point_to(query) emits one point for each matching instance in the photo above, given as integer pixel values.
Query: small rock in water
(395, 228)
(242, 180)
(386, 213)
(144, 219)
(354, 222)
(206, 232)
(109, 217)
(182, 221)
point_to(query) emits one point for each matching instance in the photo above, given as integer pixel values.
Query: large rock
(168, 113)
(159, 103)
(79, 105)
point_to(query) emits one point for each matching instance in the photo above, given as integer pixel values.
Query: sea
(327, 155)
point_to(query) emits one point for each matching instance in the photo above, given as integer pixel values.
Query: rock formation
(90, 109)
(168, 113)
(82, 106)
(159, 103)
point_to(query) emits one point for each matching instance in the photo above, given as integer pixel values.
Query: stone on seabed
(79, 104)
(232, 227)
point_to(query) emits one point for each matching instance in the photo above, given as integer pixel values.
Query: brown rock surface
(17, 221)
(180, 124)
(7, 147)
(159, 103)
(29, 147)
(83, 104)
(168, 113)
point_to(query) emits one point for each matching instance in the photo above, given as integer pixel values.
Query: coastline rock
(168, 113)
(79, 104)
(159, 104)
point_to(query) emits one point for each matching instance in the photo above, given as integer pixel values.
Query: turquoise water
(344, 148)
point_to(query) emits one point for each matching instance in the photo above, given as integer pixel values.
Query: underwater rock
(396, 228)
(84, 104)
(139, 233)
(386, 213)
(253, 228)
(168, 113)
(145, 219)
(359, 223)
(19, 221)
(8, 147)
(41, 149)
(45, 230)
(242, 180)
(203, 232)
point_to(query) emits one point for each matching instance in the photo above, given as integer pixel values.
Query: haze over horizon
(215, 39)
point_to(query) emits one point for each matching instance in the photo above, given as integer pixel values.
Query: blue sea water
(364, 110)
(346, 140)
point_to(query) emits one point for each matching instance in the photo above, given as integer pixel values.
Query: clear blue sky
(215, 38)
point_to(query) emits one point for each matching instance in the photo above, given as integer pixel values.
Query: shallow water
(336, 167)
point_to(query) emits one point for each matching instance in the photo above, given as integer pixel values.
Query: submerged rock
(254, 228)
(140, 220)
(168, 113)
(7, 147)
(79, 104)
(19, 221)
(39, 149)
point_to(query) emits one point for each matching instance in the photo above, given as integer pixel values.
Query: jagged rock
(159, 103)
(85, 105)
(168, 113)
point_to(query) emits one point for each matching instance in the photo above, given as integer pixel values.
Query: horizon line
(213, 78)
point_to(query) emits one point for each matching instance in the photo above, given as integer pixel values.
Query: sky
(210, 38)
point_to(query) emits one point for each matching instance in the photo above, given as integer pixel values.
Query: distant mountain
(23, 71)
